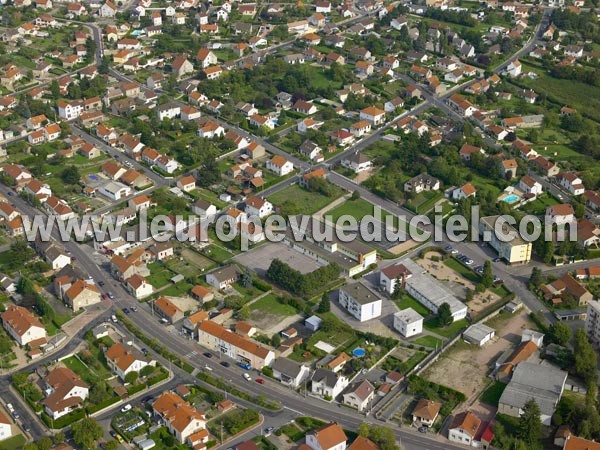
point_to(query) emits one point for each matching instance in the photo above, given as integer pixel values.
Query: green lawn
(409, 302)
(306, 202)
(355, 208)
(180, 289)
(492, 394)
(13, 443)
(539, 205)
(449, 331)
(428, 341)
(462, 270)
(73, 363)
(216, 253)
(424, 201)
(159, 275)
(269, 304)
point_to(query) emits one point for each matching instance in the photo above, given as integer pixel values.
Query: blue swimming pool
(510, 198)
(359, 352)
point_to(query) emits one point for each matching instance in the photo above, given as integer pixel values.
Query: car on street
(207, 367)
(126, 408)
(10, 194)
(114, 318)
(126, 310)
(269, 430)
(208, 354)
(110, 295)
(145, 351)
(27, 428)
(247, 377)
(134, 308)
(101, 283)
(449, 248)
(260, 381)
(225, 364)
(422, 429)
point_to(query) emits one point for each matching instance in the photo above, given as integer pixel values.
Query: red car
(260, 381)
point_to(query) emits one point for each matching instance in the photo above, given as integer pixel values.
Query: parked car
(126, 408)
(260, 381)
(225, 364)
(208, 354)
(247, 377)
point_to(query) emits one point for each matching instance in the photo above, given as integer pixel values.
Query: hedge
(63, 421)
(100, 406)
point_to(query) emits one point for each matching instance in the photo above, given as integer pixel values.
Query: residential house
(66, 392)
(123, 360)
(23, 326)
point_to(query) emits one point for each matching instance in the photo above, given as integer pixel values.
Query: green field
(449, 331)
(305, 201)
(358, 209)
(73, 363)
(428, 341)
(539, 205)
(159, 276)
(13, 443)
(462, 270)
(578, 95)
(409, 302)
(270, 305)
(493, 393)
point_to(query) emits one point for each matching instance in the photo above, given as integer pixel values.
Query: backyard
(304, 201)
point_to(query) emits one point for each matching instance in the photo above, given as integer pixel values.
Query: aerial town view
(310, 224)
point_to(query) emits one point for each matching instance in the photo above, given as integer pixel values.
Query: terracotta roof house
(167, 309)
(22, 325)
(426, 412)
(123, 360)
(66, 392)
(181, 418)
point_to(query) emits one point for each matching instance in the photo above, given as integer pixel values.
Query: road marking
(191, 354)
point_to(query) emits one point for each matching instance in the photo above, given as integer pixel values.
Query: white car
(126, 408)
(247, 377)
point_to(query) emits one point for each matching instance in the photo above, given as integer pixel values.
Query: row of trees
(301, 284)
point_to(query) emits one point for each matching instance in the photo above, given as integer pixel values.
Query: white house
(529, 186)
(360, 301)
(223, 277)
(357, 162)
(182, 420)
(408, 322)
(66, 392)
(464, 428)
(328, 437)
(389, 276)
(123, 360)
(359, 395)
(114, 190)
(560, 214)
(280, 165)
(514, 69)
(22, 325)
(289, 372)
(257, 206)
(204, 209)
(327, 383)
(373, 115)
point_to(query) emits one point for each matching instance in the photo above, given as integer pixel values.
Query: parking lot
(259, 259)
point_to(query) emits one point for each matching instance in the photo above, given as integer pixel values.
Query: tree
(444, 315)
(355, 195)
(86, 432)
(70, 175)
(131, 377)
(535, 280)
(585, 357)
(275, 340)
(487, 277)
(55, 89)
(530, 424)
(111, 445)
(560, 333)
(324, 305)
(44, 443)
(59, 438)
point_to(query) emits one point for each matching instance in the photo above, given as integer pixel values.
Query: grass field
(159, 276)
(13, 443)
(409, 302)
(180, 289)
(217, 253)
(539, 205)
(73, 363)
(306, 201)
(493, 393)
(449, 331)
(577, 95)
(462, 270)
(270, 305)
(428, 341)
(355, 208)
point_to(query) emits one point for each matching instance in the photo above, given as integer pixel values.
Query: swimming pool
(510, 198)
(359, 352)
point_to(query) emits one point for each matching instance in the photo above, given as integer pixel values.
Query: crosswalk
(191, 354)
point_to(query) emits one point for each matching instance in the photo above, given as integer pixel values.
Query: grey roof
(543, 383)
(287, 367)
(477, 332)
(314, 321)
(226, 273)
(325, 376)
(361, 293)
(429, 287)
(408, 315)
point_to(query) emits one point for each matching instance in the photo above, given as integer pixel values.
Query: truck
(245, 365)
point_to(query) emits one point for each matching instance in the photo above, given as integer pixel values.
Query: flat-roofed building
(511, 246)
(360, 301)
(408, 322)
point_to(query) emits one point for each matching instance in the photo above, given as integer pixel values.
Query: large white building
(430, 292)
(216, 337)
(23, 326)
(592, 322)
(512, 248)
(408, 322)
(360, 301)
